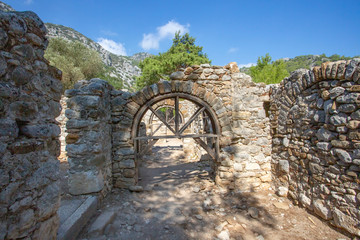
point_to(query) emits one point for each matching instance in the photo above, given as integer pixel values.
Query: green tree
(75, 60)
(182, 53)
(267, 71)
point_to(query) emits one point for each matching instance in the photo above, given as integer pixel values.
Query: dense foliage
(273, 72)
(77, 62)
(182, 53)
(267, 71)
(308, 61)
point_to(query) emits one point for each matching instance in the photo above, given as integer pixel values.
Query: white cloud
(233, 49)
(246, 65)
(112, 46)
(151, 40)
(28, 2)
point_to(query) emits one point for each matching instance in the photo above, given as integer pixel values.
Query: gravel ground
(179, 200)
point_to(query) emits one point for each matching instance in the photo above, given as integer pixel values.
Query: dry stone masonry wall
(315, 121)
(89, 137)
(245, 159)
(251, 134)
(30, 91)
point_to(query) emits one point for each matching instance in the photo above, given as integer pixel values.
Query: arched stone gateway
(208, 103)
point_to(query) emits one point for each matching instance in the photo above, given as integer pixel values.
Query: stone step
(74, 214)
(102, 221)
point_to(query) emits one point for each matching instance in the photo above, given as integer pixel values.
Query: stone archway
(125, 158)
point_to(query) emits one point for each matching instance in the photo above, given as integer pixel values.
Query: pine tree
(182, 53)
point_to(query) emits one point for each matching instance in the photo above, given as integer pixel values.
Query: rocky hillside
(5, 8)
(122, 67)
(306, 61)
(309, 61)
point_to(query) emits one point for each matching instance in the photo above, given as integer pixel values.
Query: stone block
(252, 166)
(350, 69)
(266, 178)
(241, 157)
(125, 151)
(335, 92)
(344, 221)
(354, 135)
(24, 110)
(84, 102)
(8, 128)
(177, 75)
(284, 166)
(282, 191)
(305, 201)
(343, 155)
(129, 173)
(243, 115)
(238, 167)
(347, 108)
(353, 124)
(124, 182)
(82, 124)
(128, 163)
(339, 119)
(340, 144)
(155, 89)
(325, 135)
(85, 182)
(41, 130)
(352, 97)
(324, 146)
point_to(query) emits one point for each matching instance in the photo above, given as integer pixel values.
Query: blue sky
(231, 30)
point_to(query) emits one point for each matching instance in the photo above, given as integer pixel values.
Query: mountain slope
(6, 8)
(122, 67)
(309, 61)
(306, 61)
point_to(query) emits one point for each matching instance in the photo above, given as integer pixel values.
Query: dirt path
(180, 201)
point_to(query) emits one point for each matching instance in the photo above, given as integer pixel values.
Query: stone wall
(245, 158)
(89, 137)
(30, 91)
(251, 134)
(315, 121)
(244, 161)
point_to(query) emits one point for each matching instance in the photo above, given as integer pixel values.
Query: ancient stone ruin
(300, 137)
(30, 91)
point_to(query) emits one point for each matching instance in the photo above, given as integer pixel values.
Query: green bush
(267, 71)
(75, 60)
